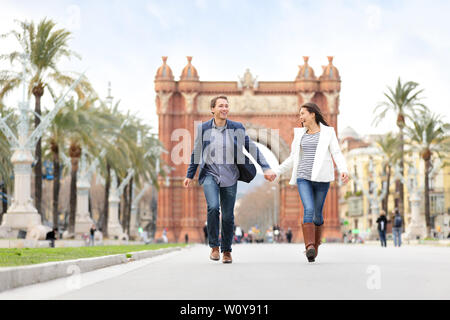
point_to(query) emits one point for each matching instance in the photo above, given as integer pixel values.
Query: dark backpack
(397, 221)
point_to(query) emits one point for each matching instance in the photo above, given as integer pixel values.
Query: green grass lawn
(26, 256)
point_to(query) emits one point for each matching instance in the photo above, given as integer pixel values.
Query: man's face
(221, 109)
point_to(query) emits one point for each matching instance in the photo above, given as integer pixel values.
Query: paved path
(264, 271)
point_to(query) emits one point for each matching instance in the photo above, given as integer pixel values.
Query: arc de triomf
(258, 105)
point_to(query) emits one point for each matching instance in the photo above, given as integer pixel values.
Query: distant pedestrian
(186, 238)
(92, 234)
(164, 236)
(238, 233)
(382, 224)
(289, 235)
(276, 233)
(397, 229)
(52, 237)
(205, 231)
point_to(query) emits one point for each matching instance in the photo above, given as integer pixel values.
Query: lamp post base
(13, 222)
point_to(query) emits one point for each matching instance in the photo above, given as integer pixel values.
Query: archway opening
(257, 205)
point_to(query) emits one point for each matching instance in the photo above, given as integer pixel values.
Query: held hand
(269, 175)
(187, 182)
(344, 177)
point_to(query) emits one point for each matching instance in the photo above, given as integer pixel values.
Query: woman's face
(306, 118)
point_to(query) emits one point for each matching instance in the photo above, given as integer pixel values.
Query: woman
(92, 234)
(312, 170)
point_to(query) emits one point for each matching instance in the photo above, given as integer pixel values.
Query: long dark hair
(314, 108)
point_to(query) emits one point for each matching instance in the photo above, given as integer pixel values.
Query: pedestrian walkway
(267, 271)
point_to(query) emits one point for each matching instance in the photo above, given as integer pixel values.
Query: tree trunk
(4, 202)
(124, 208)
(130, 201)
(106, 202)
(399, 185)
(73, 195)
(427, 197)
(38, 92)
(121, 198)
(91, 214)
(56, 187)
(384, 201)
(385, 204)
(154, 210)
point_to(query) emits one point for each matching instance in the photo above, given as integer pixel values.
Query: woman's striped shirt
(308, 145)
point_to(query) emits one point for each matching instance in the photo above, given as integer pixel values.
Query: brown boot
(308, 236)
(215, 254)
(226, 258)
(317, 237)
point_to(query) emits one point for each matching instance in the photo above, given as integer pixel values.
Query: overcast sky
(373, 42)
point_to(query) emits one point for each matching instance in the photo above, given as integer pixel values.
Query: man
(397, 229)
(92, 234)
(289, 235)
(52, 237)
(238, 233)
(218, 148)
(382, 226)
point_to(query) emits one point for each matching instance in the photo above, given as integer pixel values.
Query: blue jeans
(313, 196)
(382, 237)
(220, 198)
(397, 233)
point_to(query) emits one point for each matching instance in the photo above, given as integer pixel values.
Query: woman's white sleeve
(335, 151)
(288, 163)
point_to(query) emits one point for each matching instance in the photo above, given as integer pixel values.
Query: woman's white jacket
(323, 168)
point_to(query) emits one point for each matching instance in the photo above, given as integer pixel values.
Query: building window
(437, 203)
(371, 187)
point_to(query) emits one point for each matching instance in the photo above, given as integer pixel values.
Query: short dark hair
(214, 100)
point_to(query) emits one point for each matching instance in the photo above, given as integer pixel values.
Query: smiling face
(221, 109)
(307, 118)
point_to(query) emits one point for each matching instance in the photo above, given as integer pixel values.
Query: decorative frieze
(332, 99)
(189, 97)
(164, 100)
(249, 103)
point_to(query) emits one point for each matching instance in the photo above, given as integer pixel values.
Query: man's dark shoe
(215, 254)
(226, 258)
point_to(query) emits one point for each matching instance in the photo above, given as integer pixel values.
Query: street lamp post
(83, 221)
(417, 227)
(114, 227)
(22, 214)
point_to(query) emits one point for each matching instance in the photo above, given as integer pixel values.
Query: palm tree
(143, 165)
(54, 144)
(82, 124)
(403, 101)
(44, 46)
(113, 158)
(390, 148)
(430, 136)
(122, 153)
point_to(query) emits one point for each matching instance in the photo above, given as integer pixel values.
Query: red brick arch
(263, 105)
